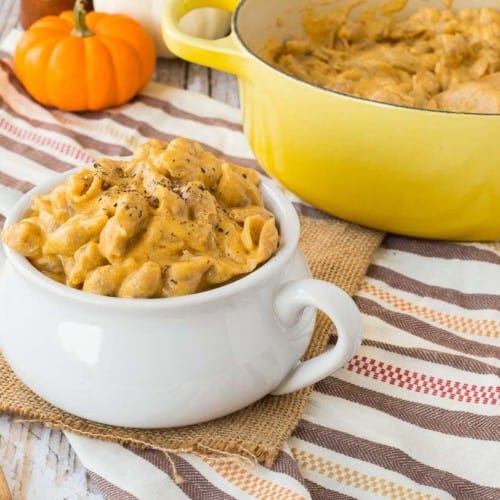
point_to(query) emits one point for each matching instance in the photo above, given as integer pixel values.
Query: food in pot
(173, 220)
(433, 59)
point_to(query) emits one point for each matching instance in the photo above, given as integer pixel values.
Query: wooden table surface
(38, 462)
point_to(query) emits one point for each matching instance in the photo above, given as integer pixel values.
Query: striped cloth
(414, 415)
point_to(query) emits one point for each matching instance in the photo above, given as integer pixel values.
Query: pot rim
(288, 225)
(236, 30)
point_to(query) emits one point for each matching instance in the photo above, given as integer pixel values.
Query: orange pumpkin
(79, 61)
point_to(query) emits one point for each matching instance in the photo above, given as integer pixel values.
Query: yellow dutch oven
(416, 172)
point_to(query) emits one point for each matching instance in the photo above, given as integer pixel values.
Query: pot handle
(225, 54)
(292, 298)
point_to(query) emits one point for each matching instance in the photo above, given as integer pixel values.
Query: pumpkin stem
(81, 29)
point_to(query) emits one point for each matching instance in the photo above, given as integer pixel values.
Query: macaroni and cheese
(173, 220)
(434, 59)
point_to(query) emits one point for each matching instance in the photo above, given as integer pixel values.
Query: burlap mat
(337, 252)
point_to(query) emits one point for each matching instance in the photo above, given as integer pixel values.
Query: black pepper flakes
(154, 202)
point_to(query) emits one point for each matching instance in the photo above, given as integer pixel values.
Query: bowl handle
(225, 54)
(292, 298)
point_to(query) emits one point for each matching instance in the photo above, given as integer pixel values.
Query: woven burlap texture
(337, 252)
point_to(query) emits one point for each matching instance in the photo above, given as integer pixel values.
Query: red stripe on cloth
(85, 141)
(33, 138)
(423, 383)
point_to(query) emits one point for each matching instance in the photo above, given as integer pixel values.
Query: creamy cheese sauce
(433, 59)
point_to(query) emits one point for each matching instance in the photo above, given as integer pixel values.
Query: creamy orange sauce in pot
(433, 59)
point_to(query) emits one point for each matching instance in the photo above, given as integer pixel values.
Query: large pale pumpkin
(78, 61)
(207, 22)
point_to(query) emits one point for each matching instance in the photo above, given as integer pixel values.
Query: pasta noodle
(173, 220)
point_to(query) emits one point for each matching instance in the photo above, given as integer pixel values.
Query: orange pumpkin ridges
(84, 62)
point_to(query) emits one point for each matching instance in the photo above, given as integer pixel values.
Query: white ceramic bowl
(176, 361)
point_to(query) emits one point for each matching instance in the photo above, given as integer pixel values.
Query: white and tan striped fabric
(415, 414)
